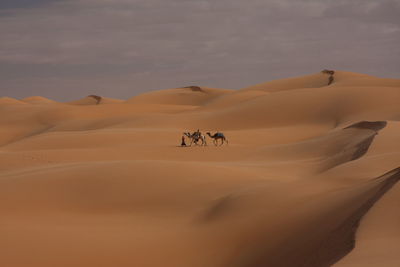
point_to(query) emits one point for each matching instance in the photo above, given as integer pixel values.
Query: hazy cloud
(66, 49)
(12, 4)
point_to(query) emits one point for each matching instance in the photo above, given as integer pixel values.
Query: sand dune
(309, 178)
(341, 78)
(95, 100)
(309, 81)
(38, 100)
(192, 95)
(9, 101)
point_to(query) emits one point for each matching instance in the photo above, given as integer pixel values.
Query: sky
(67, 49)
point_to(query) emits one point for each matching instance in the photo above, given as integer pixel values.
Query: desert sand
(309, 177)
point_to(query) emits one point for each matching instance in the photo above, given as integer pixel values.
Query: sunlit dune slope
(38, 100)
(95, 100)
(340, 78)
(332, 105)
(192, 95)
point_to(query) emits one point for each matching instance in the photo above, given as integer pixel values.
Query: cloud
(13, 4)
(384, 11)
(122, 47)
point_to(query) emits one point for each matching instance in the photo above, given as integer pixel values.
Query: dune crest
(191, 95)
(10, 101)
(38, 100)
(95, 100)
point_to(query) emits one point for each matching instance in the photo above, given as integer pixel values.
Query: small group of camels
(197, 136)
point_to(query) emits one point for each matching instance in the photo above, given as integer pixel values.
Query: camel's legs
(196, 141)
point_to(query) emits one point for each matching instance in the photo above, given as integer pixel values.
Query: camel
(218, 136)
(195, 137)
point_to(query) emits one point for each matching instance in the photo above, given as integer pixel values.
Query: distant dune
(9, 101)
(95, 100)
(195, 96)
(38, 100)
(309, 177)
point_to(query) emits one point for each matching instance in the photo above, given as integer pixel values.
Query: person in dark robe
(183, 141)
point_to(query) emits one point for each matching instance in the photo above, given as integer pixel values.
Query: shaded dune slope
(317, 234)
(325, 152)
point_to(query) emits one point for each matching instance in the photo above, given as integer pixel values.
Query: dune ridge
(37, 100)
(342, 240)
(9, 101)
(95, 100)
(309, 178)
(333, 237)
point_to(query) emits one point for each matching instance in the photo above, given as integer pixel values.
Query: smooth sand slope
(309, 178)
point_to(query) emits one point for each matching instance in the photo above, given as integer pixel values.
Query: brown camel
(218, 136)
(195, 137)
